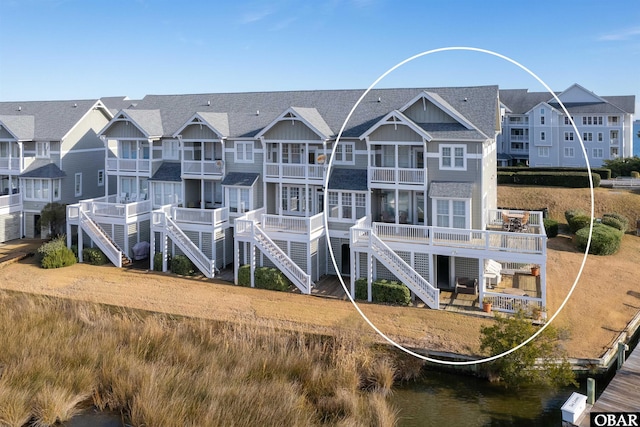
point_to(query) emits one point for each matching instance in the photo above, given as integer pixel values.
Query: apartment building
(536, 131)
(244, 178)
(49, 152)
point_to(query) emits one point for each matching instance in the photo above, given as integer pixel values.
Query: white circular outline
(325, 205)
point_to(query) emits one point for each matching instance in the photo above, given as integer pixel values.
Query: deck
(623, 392)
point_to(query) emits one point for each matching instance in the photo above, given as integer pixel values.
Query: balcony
(279, 171)
(519, 138)
(613, 141)
(135, 166)
(203, 168)
(292, 224)
(10, 203)
(9, 165)
(411, 176)
(109, 206)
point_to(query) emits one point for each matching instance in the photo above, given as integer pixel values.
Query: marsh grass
(60, 357)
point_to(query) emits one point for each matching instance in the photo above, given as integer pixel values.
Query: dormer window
(42, 149)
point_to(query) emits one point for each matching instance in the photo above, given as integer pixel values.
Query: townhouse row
(245, 178)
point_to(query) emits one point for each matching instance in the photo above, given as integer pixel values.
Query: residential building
(537, 132)
(49, 152)
(240, 178)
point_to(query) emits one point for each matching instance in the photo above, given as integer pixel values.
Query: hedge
(182, 265)
(624, 222)
(384, 291)
(265, 278)
(55, 254)
(604, 241)
(94, 256)
(573, 212)
(578, 222)
(549, 179)
(551, 227)
(604, 173)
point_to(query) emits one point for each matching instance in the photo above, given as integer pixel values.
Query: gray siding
(292, 130)
(395, 133)
(10, 227)
(88, 164)
(198, 132)
(4, 134)
(123, 130)
(84, 135)
(431, 114)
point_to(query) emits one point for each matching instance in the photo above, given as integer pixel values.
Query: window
(244, 152)
(587, 136)
(100, 177)
(598, 153)
(543, 151)
(614, 152)
(541, 120)
(42, 149)
(451, 213)
(78, 184)
(592, 120)
(170, 150)
(166, 193)
(129, 149)
(567, 121)
(346, 205)
(613, 137)
(344, 153)
(613, 120)
(568, 136)
(453, 157)
(600, 137)
(542, 111)
(41, 189)
(542, 136)
(568, 151)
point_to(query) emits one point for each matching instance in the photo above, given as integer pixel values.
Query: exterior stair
(290, 269)
(403, 271)
(103, 240)
(186, 245)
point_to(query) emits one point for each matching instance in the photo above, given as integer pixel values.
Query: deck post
(252, 263)
(152, 246)
(591, 391)
(622, 347)
(80, 242)
(369, 275)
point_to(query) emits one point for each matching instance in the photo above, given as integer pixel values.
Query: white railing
(292, 224)
(613, 141)
(397, 175)
(10, 164)
(456, 237)
(200, 216)
(100, 238)
(494, 216)
(290, 269)
(190, 249)
(10, 200)
(203, 167)
(519, 137)
(513, 303)
(115, 164)
(293, 170)
(418, 284)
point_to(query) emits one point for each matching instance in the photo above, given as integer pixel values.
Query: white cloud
(623, 34)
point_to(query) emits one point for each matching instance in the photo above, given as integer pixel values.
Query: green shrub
(604, 173)
(94, 256)
(551, 227)
(550, 179)
(157, 261)
(623, 166)
(55, 254)
(384, 291)
(624, 222)
(74, 249)
(604, 241)
(613, 222)
(272, 279)
(578, 222)
(573, 212)
(265, 278)
(182, 265)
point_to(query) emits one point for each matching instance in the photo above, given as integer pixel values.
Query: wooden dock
(623, 392)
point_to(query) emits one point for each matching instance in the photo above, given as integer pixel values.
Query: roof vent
(19, 108)
(75, 105)
(257, 112)
(209, 103)
(379, 99)
(465, 100)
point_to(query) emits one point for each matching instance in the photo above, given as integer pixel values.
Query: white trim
(453, 157)
(77, 185)
(82, 150)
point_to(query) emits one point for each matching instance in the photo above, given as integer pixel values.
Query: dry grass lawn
(606, 298)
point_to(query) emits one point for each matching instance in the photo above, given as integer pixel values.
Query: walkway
(623, 392)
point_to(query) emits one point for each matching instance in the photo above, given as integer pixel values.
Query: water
(444, 399)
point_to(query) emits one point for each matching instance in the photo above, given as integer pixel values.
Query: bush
(603, 172)
(384, 291)
(551, 227)
(55, 254)
(74, 249)
(573, 212)
(613, 222)
(94, 256)
(579, 221)
(157, 261)
(623, 166)
(550, 179)
(604, 241)
(624, 222)
(182, 265)
(265, 278)
(635, 174)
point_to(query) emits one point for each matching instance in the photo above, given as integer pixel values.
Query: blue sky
(76, 49)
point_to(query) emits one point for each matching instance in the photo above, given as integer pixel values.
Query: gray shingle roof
(348, 179)
(117, 103)
(520, 101)
(332, 107)
(52, 119)
(43, 169)
(218, 121)
(148, 120)
(168, 171)
(22, 127)
(451, 131)
(240, 179)
(456, 190)
(314, 118)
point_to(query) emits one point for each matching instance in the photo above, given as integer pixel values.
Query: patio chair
(133, 197)
(525, 221)
(506, 221)
(123, 197)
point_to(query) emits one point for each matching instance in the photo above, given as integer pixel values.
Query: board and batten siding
(123, 130)
(291, 130)
(427, 112)
(198, 132)
(399, 132)
(5, 134)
